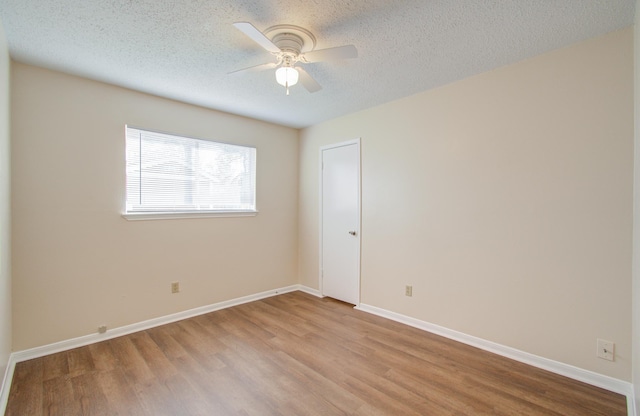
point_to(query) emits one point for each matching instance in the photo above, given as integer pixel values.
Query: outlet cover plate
(606, 349)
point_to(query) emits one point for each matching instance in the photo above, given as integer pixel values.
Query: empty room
(261, 207)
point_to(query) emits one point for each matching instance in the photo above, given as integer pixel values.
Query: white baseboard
(567, 370)
(141, 326)
(6, 384)
(589, 377)
(311, 291)
(632, 410)
(82, 341)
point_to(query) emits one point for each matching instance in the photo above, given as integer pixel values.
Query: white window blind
(173, 174)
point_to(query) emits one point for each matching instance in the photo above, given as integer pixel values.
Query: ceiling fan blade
(257, 36)
(307, 81)
(330, 54)
(256, 68)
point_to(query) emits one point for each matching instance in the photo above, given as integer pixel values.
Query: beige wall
(78, 264)
(505, 200)
(5, 218)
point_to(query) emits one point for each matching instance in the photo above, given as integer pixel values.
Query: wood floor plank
(193, 402)
(437, 377)
(26, 389)
(56, 365)
(119, 393)
(154, 357)
(208, 384)
(200, 346)
(89, 395)
(293, 354)
(59, 398)
(131, 361)
(156, 398)
(171, 348)
(324, 392)
(79, 361)
(103, 356)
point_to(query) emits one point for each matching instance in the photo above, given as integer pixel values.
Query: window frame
(186, 214)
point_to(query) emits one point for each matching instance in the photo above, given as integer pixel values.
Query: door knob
(352, 232)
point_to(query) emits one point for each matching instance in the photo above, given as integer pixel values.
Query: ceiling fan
(292, 46)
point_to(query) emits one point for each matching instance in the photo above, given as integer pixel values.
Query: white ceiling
(184, 49)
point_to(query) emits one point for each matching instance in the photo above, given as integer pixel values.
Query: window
(171, 176)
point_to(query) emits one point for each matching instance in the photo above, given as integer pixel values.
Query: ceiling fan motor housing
(288, 42)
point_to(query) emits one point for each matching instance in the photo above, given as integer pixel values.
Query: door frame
(321, 214)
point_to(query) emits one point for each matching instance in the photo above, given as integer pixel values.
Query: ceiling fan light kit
(292, 46)
(287, 77)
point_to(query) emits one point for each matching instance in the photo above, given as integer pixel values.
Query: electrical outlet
(606, 349)
(408, 291)
(175, 287)
(102, 329)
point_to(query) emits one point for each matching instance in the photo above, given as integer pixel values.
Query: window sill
(141, 216)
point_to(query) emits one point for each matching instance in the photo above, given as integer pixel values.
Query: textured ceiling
(184, 49)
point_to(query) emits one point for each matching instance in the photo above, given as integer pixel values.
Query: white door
(340, 231)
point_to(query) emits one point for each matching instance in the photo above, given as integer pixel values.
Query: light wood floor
(293, 354)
